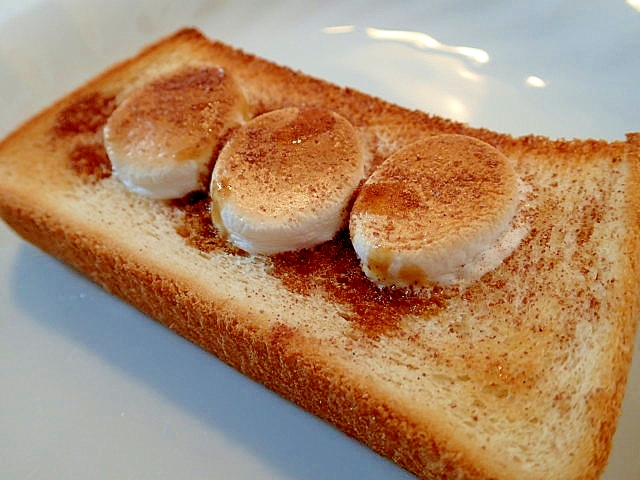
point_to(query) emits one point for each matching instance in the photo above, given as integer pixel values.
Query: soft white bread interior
(520, 375)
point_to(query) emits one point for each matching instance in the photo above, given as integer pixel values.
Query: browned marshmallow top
(172, 120)
(431, 208)
(287, 173)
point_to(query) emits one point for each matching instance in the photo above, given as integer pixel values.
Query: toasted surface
(520, 375)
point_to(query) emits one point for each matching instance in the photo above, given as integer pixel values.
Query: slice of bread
(519, 375)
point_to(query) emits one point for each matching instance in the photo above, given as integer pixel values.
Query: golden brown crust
(321, 347)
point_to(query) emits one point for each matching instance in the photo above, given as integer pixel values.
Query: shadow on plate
(280, 434)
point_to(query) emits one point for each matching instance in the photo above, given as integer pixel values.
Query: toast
(518, 375)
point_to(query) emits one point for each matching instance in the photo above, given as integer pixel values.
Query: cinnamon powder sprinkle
(90, 161)
(330, 269)
(197, 228)
(86, 115)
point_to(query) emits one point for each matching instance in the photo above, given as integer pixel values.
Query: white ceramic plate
(93, 389)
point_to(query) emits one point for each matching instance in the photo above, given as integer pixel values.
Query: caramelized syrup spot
(87, 115)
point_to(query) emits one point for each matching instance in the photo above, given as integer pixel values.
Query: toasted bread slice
(519, 375)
